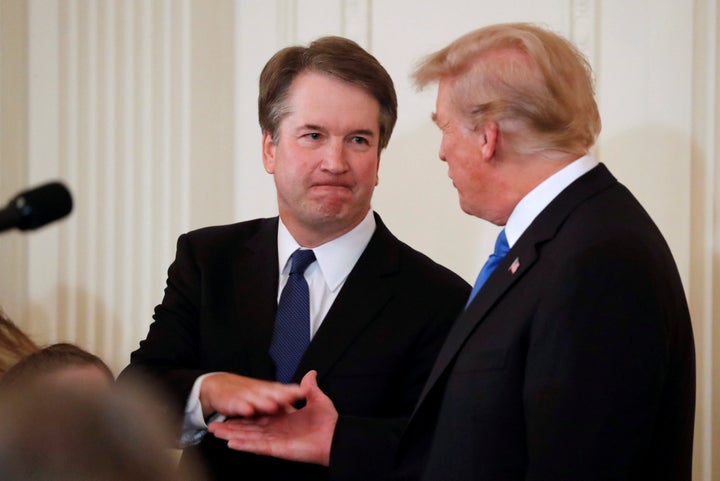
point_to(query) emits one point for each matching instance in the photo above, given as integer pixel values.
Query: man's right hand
(238, 396)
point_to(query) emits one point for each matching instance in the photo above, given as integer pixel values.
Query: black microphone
(36, 207)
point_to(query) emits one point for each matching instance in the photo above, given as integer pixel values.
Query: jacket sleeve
(164, 357)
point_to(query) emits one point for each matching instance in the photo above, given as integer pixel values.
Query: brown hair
(335, 56)
(518, 72)
(14, 343)
(53, 358)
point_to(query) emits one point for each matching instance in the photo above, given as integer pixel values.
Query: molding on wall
(583, 31)
(705, 236)
(287, 19)
(356, 15)
(14, 26)
(123, 143)
(583, 28)
(353, 21)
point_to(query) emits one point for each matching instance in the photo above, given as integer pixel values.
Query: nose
(442, 151)
(334, 157)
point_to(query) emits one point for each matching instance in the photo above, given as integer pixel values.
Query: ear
(489, 138)
(268, 152)
(377, 171)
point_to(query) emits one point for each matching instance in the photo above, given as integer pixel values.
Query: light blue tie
(501, 248)
(291, 334)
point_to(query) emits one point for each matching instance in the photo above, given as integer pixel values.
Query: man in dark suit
(377, 310)
(574, 358)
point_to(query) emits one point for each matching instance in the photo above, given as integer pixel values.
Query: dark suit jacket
(576, 363)
(373, 351)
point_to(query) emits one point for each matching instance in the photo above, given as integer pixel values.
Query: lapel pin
(514, 266)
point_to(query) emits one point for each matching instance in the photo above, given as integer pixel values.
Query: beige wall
(147, 110)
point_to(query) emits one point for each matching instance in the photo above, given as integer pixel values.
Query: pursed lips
(451, 178)
(342, 185)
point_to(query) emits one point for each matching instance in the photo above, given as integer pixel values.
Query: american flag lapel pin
(514, 266)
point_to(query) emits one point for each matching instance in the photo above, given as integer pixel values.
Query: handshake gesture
(274, 428)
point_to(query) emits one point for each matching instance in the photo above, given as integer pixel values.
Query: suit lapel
(524, 253)
(516, 263)
(370, 285)
(255, 280)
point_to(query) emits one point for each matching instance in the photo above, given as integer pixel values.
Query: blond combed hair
(536, 84)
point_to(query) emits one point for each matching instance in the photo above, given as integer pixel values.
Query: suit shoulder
(237, 230)
(217, 237)
(420, 265)
(413, 264)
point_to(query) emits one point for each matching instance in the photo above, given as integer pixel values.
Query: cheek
(293, 161)
(453, 149)
(365, 169)
(464, 156)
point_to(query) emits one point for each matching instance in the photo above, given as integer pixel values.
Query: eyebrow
(434, 118)
(365, 132)
(310, 127)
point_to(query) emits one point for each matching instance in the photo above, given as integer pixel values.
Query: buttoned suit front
(574, 362)
(373, 350)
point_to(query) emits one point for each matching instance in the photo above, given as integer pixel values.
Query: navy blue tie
(501, 248)
(291, 334)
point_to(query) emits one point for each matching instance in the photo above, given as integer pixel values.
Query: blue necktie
(501, 248)
(291, 334)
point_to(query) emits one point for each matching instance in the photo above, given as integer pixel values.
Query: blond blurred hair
(14, 343)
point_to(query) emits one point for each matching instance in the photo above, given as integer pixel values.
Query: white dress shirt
(540, 197)
(335, 260)
(325, 278)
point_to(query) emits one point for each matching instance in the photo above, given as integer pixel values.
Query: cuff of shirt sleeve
(194, 425)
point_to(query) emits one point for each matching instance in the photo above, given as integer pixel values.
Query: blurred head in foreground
(62, 363)
(64, 431)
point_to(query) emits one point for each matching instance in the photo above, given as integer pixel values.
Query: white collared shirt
(325, 278)
(540, 197)
(335, 260)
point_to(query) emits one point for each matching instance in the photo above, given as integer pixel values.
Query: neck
(523, 173)
(311, 236)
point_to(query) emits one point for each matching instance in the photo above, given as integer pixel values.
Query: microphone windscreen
(41, 205)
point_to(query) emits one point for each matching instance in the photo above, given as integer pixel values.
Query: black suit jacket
(574, 362)
(373, 351)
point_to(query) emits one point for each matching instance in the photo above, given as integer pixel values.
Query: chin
(467, 211)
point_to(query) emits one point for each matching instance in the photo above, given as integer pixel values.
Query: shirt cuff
(194, 425)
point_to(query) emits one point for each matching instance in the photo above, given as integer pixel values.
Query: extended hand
(232, 395)
(303, 435)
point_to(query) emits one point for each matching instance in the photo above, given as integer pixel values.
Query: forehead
(322, 99)
(445, 108)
